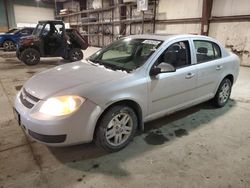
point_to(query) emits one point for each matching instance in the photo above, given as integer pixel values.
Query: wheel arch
(32, 47)
(8, 39)
(132, 104)
(230, 77)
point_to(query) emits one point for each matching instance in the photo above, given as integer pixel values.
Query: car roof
(165, 37)
(50, 21)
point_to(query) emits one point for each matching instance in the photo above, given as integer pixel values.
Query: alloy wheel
(76, 56)
(119, 129)
(9, 45)
(31, 57)
(224, 92)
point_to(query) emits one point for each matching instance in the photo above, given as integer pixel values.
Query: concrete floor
(197, 147)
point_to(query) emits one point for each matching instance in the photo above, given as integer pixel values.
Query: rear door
(209, 67)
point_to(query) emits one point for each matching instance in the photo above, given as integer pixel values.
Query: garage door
(31, 15)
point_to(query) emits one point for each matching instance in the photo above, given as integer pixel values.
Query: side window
(59, 28)
(206, 51)
(46, 30)
(177, 54)
(30, 31)
(24, 32)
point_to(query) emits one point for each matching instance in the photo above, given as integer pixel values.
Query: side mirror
(155, 71)
(162, 68)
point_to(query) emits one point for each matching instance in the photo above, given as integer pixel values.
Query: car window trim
(213, 43)
(171, 43)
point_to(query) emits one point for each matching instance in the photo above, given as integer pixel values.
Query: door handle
(219, 67)
(189, 75)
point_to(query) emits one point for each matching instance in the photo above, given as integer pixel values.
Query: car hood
(61, 79)
(6, 35)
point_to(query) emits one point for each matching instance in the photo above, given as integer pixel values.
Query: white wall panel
(172, 9)
(31, 15)
(231, 7)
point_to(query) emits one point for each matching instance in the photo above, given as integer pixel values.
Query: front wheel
(223, 93)
(116, 128)
(30, 56)
(9, 45)
(75, 54)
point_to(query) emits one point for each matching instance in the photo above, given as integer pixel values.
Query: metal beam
(238, 18)
(6, 14)
(206, 14)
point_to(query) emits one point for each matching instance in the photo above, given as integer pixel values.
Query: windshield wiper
(110, 66)
(115, 67)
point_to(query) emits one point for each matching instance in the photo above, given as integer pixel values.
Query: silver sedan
(109, 96)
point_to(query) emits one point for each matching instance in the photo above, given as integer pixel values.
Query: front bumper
(75, 128)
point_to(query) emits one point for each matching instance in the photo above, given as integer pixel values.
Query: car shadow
(90, 158)
(14, 63)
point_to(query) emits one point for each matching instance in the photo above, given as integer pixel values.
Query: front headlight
(62, 105)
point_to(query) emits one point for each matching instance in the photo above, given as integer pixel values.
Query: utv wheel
(30, 56)
(75, 54)
(9, 45)
(223, 93)
(116, 128)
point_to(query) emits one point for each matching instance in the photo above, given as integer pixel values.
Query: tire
(9, 45)
(30, 56)
(75, 54)
(114, 137)
(223, 93)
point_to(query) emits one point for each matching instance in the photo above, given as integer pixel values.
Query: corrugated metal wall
(235, 35)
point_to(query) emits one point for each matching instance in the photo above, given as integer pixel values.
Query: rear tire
(9, 45)
(223, 93)
(30, 56)
(116, 128)
(75, 54)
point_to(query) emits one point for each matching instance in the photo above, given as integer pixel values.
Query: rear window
(206, 51)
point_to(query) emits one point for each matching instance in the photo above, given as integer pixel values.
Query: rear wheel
(116, 128)
(30, 56)
(223, 93)
(9, 45)
(75, 54)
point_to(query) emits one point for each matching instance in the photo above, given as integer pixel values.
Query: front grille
(27, 99)
(33, 98)
(48, 138)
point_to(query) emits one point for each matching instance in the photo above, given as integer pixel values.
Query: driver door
(174, 90)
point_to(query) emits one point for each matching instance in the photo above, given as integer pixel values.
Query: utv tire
(116, 128)
(75, 54)
(9, 45)
(223, 93)
(30, 56)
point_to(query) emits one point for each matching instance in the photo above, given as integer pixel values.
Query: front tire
(223, 93)
(75, 54)
(116, 128)
(9, 45)
(30, 56)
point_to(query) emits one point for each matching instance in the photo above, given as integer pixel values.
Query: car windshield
(126, 54)
(38, 29)
(14, 30)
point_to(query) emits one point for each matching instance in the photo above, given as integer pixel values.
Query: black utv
(51, 39)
